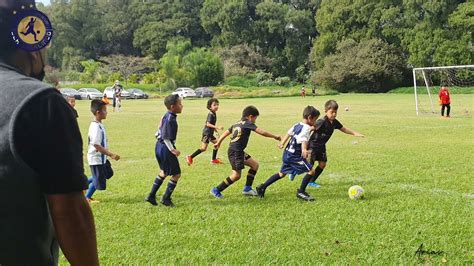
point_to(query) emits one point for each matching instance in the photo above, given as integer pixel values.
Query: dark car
(70, 92)
(137, 94)
(204, 92)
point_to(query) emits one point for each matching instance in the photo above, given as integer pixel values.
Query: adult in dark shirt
(317, 143)
(41, 165)
(238, 158)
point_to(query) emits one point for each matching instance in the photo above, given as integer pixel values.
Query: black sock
(214, 154)
(317, 172)
(196, 153)
(169, 189)
(250, 177)
(225, 184)
(272, 179)
(156, 185)
(304, 183)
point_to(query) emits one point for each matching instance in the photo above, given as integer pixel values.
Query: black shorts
(318, 154)
(237, 159)
(208, 138)
(168, 162)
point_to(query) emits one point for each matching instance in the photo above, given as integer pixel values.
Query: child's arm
(213, 126)
(103, 150)
(283, 141)
(221, 138)
(267, 134)
(304, 149)
(171, 148)
(351, 132)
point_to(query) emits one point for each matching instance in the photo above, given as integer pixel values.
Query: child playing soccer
(321, 135)
(296, 152)
(98, 151)
(238, 158)
(208, 133)
(166, 152)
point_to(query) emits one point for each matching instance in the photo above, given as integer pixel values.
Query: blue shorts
(295, 166)
(99, 176)
(168, 162)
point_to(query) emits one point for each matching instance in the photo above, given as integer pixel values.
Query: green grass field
(417, 173)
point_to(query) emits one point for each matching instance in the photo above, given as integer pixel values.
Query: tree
(203, 68)
(128, 65)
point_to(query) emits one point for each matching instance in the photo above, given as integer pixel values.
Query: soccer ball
(356, 192)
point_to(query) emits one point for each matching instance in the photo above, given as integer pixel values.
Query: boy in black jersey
(317, 143)
(208, 133)
(236, 154)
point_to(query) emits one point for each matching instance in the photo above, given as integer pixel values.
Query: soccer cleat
(167, 202)
(189, 160)
(314, 185)
(216, 161)
(304, 196)
(291, 177)
(92, 201)
(248, 191)
(151, 200)
(216, 193)
(260, 191)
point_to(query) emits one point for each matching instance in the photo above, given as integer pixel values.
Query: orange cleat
(216, 161)
(189, 160)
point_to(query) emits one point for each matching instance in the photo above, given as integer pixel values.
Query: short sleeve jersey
(168, 127)
(323, 132)
(299, 133)
(240, 134)
(211, 119)
(96, 136)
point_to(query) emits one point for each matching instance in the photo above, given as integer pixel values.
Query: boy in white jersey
(98, 151)
(296, 152)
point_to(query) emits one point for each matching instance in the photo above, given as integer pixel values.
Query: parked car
(185, 92)
(90, 93)
(70, 92)
(109, 91)
(204, 92)
(137, 94)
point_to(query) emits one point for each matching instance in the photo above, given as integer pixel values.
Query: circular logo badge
(31, 30)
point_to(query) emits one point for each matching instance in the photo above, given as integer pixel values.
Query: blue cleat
(216, 193)
(248, 191)
(314, 185)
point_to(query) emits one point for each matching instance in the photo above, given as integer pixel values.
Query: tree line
(347, 45)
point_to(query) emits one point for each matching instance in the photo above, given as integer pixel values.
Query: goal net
(427, 82)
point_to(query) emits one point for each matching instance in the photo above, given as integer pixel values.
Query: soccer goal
(428, 80)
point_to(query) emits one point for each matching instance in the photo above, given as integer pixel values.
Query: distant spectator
(444, 100)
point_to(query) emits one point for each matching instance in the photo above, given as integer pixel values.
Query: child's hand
(175, 152)
(115, 157)
(280, 146)
(305, 154)
(217, 145)
(278, 138)
(357, 134)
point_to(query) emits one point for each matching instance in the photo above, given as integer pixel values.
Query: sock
(169, 189)
(225, 184)
(214, 154)
(304, 183)
(272, 179)
(90, 191)
(89, 180)
(156, 185)
(196, 153)
(250, 177)
(317, 172)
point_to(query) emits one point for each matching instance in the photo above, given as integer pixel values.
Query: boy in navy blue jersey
(321, 135)
(296, 152)
(238, 158)
(166, 152)
(208, 133)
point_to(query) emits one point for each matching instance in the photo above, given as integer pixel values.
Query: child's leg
(90, 190)
(156, 185)
(272, 180)
(442, 109)
(203, 148)
(229, 180)
(171, 186)
(253, 164)
(448, 109)
(214, 151)
(319, 169)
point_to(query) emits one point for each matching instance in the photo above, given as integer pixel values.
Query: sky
(46, 2)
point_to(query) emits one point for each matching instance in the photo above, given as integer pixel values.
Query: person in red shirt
(444, 100)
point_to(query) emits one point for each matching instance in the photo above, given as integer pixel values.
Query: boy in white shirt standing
(98, 151)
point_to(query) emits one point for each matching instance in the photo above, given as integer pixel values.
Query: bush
(283, 81)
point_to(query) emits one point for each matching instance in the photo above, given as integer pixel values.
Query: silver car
(90, 93)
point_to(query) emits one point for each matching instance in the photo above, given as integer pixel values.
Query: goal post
(458, 76)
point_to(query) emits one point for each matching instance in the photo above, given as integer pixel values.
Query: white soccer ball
(356, 192)
(347, 108)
